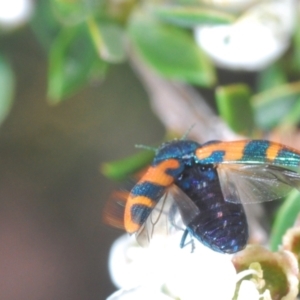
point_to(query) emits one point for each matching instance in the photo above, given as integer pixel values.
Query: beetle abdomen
(219, 225)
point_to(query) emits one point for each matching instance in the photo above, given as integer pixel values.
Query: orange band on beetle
(158, 175)
(129, 225)
(272, 151)
(233, 151)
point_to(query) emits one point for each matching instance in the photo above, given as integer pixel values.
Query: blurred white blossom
(15, 12)
(255, 40)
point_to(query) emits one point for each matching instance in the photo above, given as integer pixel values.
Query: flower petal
(138, 294)
(253, 42)
(15, 12)
(248, 290)
(196, 275)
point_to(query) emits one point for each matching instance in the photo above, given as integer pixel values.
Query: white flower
(248, 290)
(130, 265)
(255, 40)
(15, 12)
(203, 274)
(138, 293)
(167, 270)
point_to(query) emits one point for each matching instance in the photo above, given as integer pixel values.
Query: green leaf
(292, 117)
(108, 40)
(295, 56)
(191, 16)
(234, 106)
(75, 11)
(272, 105)
(44, 24)
(171, 51)
(120, 169)
(271, 77)
(285, 218)
(7, 85)
(73, 61)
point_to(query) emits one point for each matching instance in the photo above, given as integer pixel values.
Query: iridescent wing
(172, 213)
(256, 183)
(248, 152)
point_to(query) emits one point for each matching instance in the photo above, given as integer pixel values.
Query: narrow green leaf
(277, 93)
(272, 106)
(44, 24)
(108, 40)
(292, 117)
(7, 85)
(271, 77)
(191, 16)
(113, 46)
(271, 114)
(234, 106)
(75, 11)
(295, 56)
(120, 169)
(285, 219)
(171, 51)
(73, 61)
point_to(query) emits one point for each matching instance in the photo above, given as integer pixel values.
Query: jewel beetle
(207, 185)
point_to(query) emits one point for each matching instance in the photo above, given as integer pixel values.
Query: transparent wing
(256, 183)
(157, 223)
(186, 207)
(173, 211)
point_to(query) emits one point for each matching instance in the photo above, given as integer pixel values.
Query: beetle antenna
(145, 147)
(187, 132)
